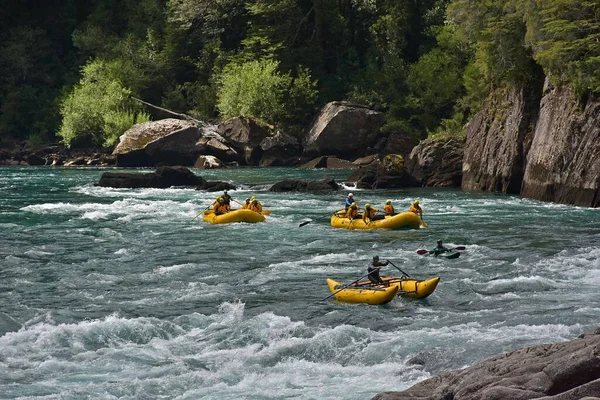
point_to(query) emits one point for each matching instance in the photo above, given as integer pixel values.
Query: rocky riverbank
(562, 371)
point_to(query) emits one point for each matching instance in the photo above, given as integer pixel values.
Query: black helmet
(375, 258)
(439, 242)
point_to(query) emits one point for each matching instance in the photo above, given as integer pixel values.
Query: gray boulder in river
(562, 371)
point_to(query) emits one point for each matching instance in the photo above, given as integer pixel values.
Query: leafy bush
(257, 89)
(99, 106)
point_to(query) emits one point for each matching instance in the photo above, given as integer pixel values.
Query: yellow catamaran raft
(365, 294)
(240, 215)
(403, 220)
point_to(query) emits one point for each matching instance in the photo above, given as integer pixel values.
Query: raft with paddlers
(239, 215)
(404, 220)
(365, 291)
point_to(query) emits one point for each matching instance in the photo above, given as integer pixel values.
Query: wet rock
(163, 177)
(563, 371)
(329, 162)
(297, 185)
(377, 176)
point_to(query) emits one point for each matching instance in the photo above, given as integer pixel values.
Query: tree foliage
(99, 106)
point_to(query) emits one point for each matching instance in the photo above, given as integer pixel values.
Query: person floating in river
(416, 208)
(373, 271)
(349, 201)
(389, 208)
(352, 211)
(439, 249)
(255, 205)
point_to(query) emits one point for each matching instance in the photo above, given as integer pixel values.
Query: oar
(350, 284)
(304, 223)
(203, 211)
(422, 251)
(423, 223)
(404, 273)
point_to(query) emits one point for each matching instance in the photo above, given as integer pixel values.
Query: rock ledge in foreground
(562, 371)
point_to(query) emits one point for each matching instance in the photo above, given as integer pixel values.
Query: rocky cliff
(563, 164)
(541, 144)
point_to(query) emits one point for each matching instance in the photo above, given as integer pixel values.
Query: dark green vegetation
(68, 68)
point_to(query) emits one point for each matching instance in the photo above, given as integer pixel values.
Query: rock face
(400, 143)
(329, 162)
(494, 152)
(165, 142)
(437, 163)
(344, 129)
(563, 371)
(563, 164)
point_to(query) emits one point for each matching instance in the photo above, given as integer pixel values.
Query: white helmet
(350, 195)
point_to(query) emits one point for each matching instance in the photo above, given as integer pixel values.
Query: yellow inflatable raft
(409, 287)
(363, 294)
(240, 215)
(403, 220)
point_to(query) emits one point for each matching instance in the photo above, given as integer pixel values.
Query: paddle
(304, 223)
(200, 213)
(423, 223)
(404, 273)
(350, 284)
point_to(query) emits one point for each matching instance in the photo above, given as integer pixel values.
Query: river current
(121, 293)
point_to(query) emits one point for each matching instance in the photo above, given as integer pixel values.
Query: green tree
(258, 89)
(99, 106)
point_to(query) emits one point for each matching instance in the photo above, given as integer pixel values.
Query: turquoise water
(121, 295)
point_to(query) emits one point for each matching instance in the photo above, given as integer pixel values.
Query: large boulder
(343, 129)
(245, 136)
(297, 185)
(328, 162)
(437, 163)
(211, 146)
(497, 140)
(376, 175)
(280, 149)
(163, 177)
(563, 164)
(165, 142)
(563, 371)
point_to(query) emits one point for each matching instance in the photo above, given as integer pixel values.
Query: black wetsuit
(374, 272)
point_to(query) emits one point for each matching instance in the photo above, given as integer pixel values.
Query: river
(121, 294)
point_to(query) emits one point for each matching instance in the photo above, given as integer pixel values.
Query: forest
(72, 70)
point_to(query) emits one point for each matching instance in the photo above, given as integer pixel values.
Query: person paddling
(246, 205)
(416, 208)
(369, 213)
(219, 206)
(349, 201)
(352, 211)
(373, 270)
(226, 198)
(389, 208)
(255, 205)
(439, 249)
